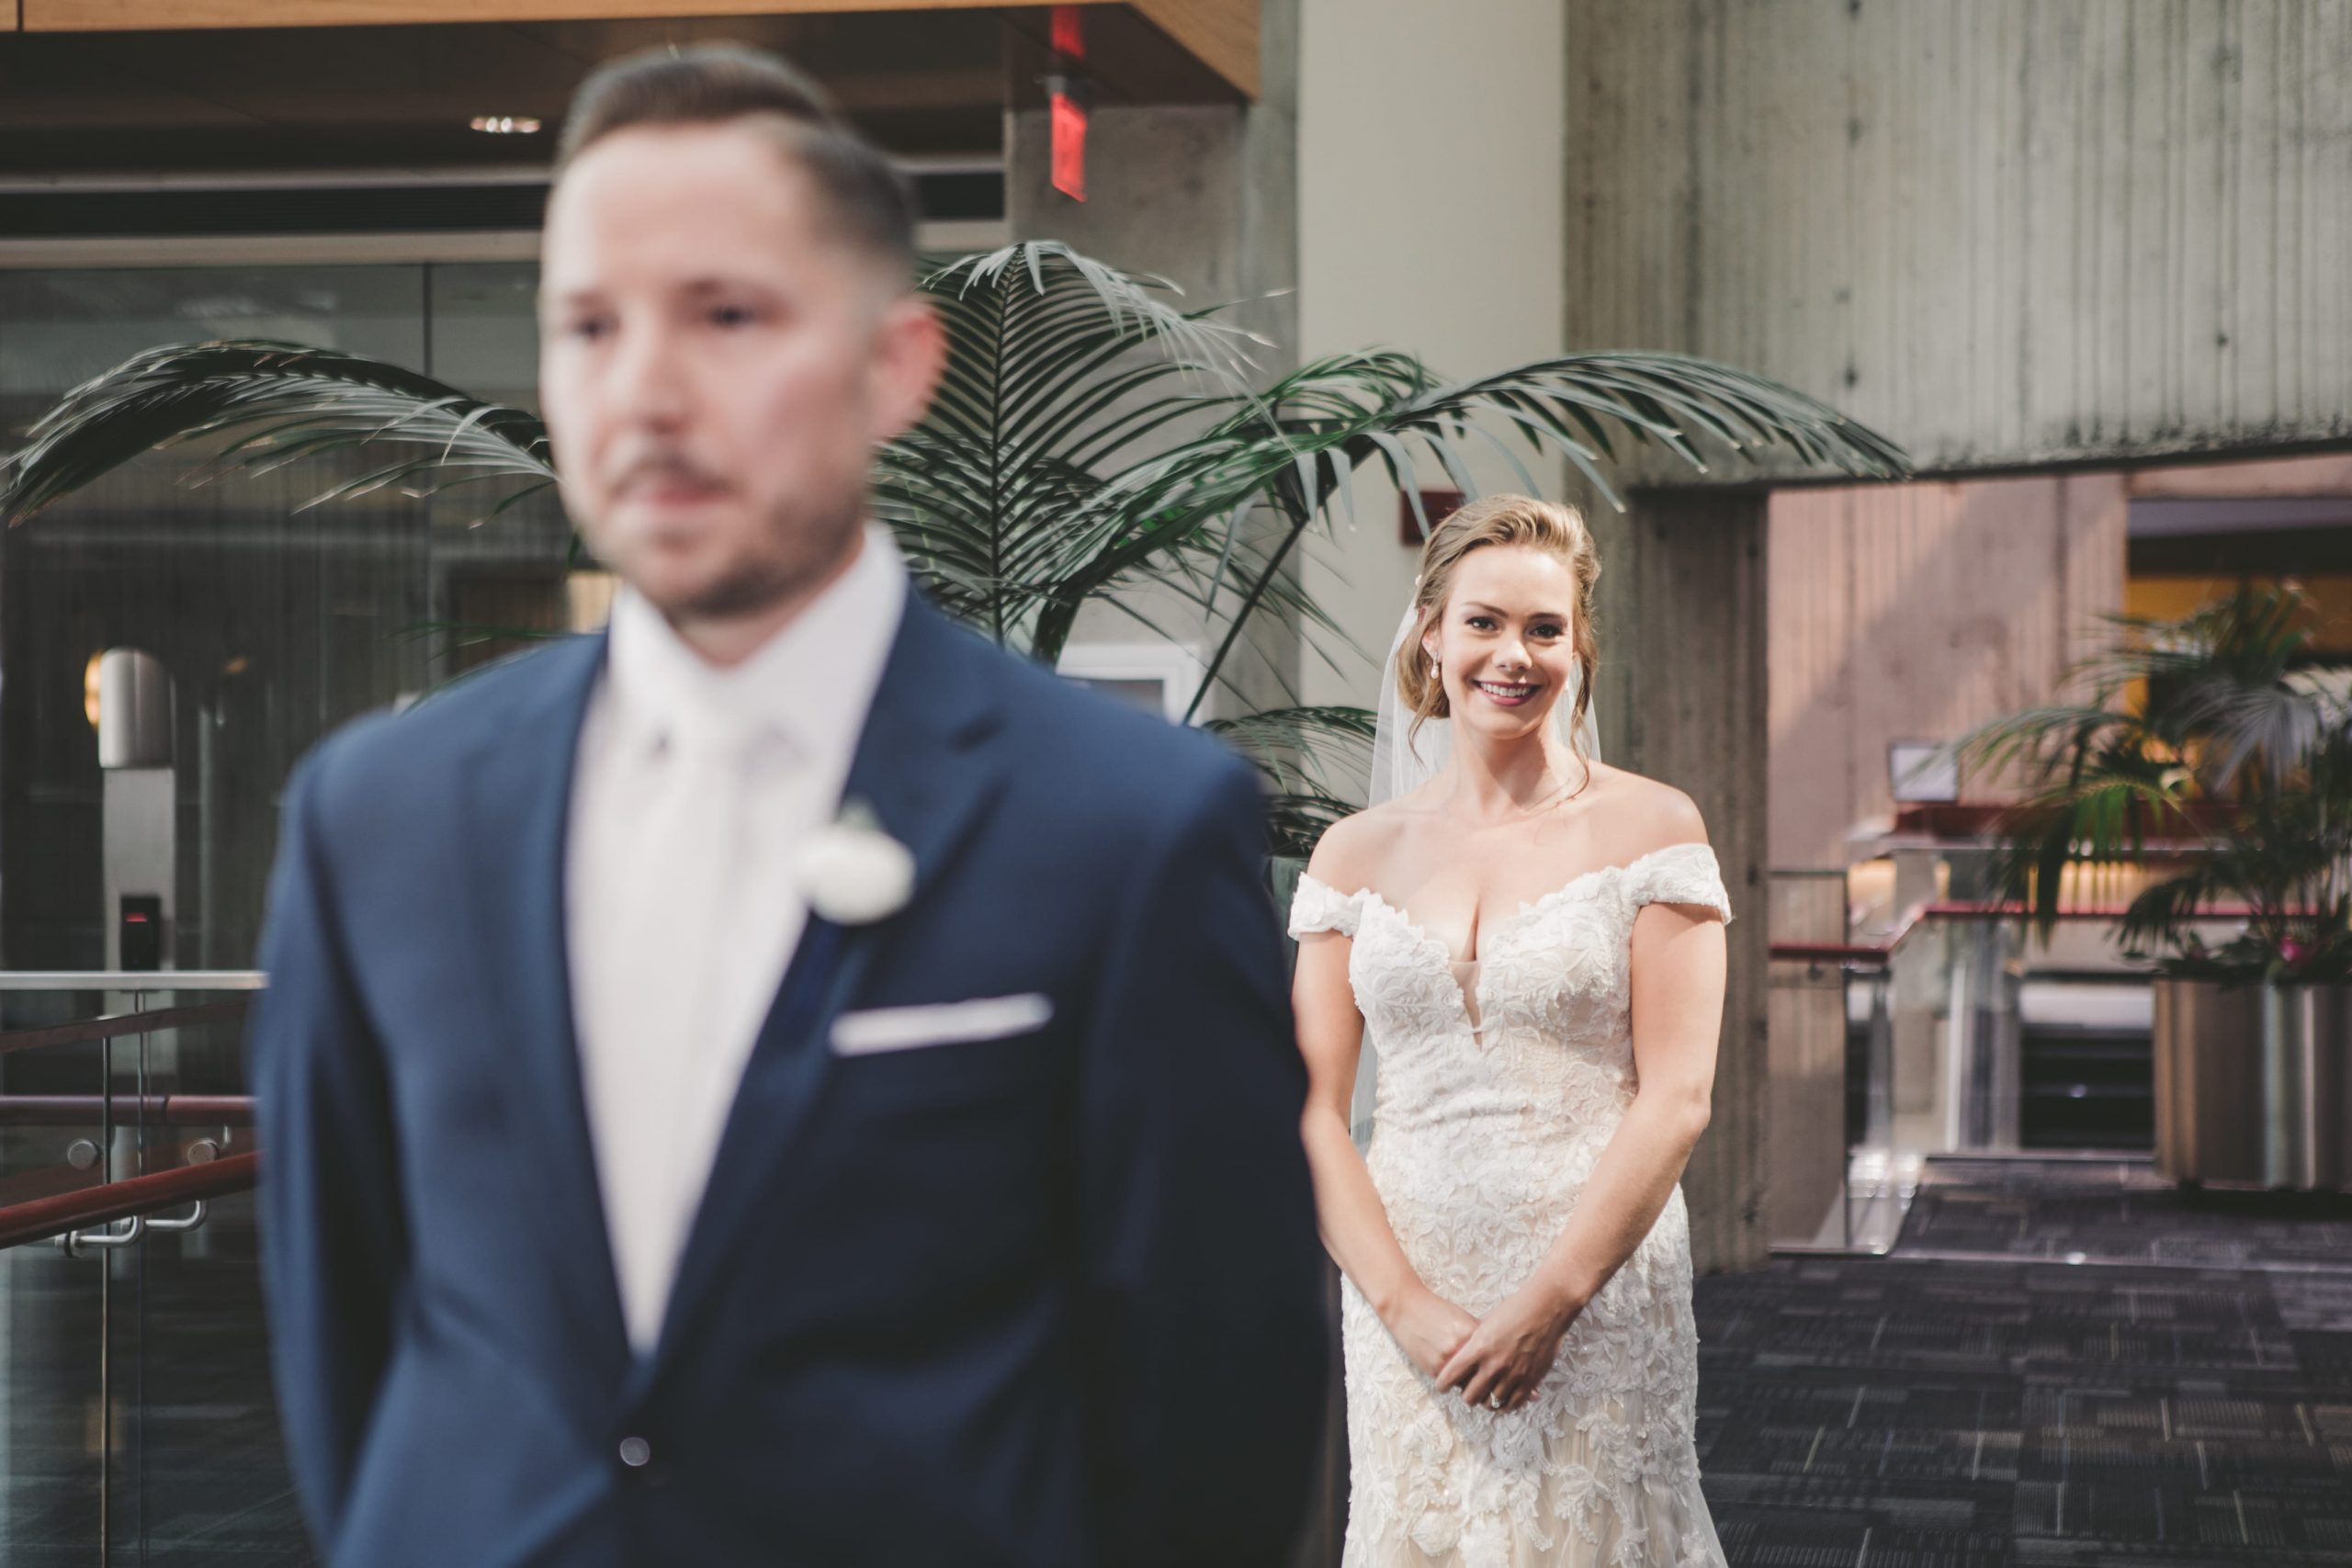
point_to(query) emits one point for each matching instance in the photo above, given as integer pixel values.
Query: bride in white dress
(1531, 942)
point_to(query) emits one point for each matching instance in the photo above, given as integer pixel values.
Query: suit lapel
(519, 791)
(922, 768)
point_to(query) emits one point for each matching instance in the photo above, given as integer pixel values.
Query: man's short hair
(716, 84)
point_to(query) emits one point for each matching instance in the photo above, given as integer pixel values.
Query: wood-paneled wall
(2003, 232)
(1915, 613)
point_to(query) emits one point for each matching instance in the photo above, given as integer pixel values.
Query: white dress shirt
(695, 788)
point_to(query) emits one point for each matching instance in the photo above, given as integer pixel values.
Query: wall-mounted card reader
(140, 935)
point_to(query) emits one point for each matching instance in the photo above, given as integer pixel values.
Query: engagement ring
(1494, 1401)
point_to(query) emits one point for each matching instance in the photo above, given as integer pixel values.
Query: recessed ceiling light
(506, 125)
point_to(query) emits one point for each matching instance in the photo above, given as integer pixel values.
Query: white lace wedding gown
(1484, 1134)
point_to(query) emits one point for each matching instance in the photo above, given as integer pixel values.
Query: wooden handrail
(1860, 955)
(113, 1026)
(46, 1181)
(42, 1218)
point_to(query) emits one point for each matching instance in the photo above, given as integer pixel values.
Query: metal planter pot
(2254, 1084)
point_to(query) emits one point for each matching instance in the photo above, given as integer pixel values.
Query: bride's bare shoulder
(1351, 851)
(1640, 815)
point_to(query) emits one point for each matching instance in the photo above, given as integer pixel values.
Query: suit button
(636, 1452)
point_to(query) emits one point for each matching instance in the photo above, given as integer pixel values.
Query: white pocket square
(876, 1029)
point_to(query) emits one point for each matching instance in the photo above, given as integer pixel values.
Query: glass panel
(55, 1441)
(201, 1472)
(1806, 1047)
(133, 1379)
(272, 623)
(136, 1420)
(497, 584)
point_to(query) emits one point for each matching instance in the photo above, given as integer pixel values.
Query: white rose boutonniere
(852, 873)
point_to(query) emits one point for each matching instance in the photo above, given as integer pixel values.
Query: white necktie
(684, 906)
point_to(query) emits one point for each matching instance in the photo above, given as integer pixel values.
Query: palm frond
(2205, 730)
(1302, 755)
(280, 402)
(1296, 443)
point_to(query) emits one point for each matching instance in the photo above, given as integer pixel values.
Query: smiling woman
(1531, 942)
(1549, 570)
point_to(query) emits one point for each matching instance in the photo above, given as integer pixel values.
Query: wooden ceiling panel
(1221, 35)
(924, 81)
(129, 16)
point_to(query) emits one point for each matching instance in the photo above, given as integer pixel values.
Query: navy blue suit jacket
(1049, 1299)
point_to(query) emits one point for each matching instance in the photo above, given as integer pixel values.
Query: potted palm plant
(1092, 437)
(2209, 752)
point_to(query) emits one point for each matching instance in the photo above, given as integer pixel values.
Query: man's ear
(910, 355)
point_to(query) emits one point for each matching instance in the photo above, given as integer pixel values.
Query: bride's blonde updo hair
(1496, 520)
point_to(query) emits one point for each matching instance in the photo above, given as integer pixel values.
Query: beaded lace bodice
(1489, 1111)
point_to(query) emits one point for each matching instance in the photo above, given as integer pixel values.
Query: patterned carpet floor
(1974, 1401)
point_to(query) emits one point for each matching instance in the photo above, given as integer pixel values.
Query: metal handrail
(1871, 955)
(133, 980)
(166, 1110)
(133, 1197)
(80, 1216)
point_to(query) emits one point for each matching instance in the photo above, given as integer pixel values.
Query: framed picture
(1918, 772)
(1158, 677)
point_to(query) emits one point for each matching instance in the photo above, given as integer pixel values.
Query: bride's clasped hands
(1430, 1328)
(1509, 1352)
(1495, 1361)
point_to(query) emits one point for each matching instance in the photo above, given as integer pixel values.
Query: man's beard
(818, 543)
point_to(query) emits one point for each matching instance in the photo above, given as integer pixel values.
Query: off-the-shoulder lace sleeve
(1680, 874)
(1318, 907)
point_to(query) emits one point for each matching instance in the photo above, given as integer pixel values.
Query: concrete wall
(2011, 234)
(1205, 195)
(2003, 232)
(1683, 629)
(1431, 217)
(1398, 185)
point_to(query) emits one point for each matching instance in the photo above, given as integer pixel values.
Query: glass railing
(136, 1420)
(1837, 1182)
(1945, 1030)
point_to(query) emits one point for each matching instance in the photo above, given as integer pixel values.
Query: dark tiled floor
(2120, 1211)
(1860, 1412)
(1907, 1412)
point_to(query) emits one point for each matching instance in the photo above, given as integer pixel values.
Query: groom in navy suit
(781, 1082)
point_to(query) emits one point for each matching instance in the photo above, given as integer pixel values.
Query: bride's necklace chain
(1522, 814)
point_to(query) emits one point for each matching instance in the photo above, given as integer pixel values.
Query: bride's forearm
(1349, 1212)
(1622, 1200)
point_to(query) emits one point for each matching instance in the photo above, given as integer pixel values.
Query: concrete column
(1681, 622)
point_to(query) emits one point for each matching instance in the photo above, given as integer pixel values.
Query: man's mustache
(665, 468)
